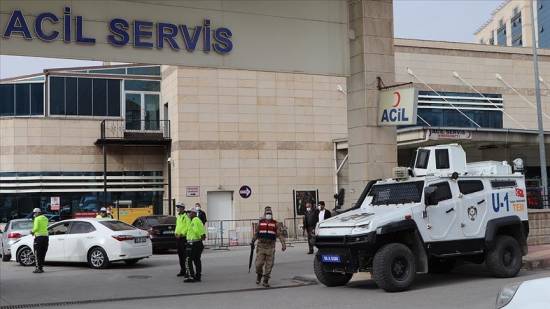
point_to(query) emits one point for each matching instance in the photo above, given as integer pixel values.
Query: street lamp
(542, 150)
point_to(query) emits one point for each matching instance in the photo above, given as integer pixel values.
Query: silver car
(14, 230)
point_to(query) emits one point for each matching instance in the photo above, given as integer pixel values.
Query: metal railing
(135, 129)
(232, 233)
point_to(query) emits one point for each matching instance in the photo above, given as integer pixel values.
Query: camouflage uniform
(265, 249)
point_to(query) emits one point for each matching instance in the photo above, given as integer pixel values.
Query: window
(80, 227)
(59, 229)
(37, 99)
(442, 192)
(120, 71)
(77, 96)
(498, 184)
(85, 96)
(142, 85)
(22, 99)
(436, 109)
(441, 158)
(117, 226)
(22, 225)
(422, 158)
(99, 97)
(397, 193)
(161, 220)
(7, 100)
(470, 186)
(155, 71)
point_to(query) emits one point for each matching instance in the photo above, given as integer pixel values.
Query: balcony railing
(135, 130)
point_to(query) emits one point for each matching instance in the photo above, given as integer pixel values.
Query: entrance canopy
(292, 36)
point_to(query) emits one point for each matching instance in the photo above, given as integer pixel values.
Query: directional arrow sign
(245, 191)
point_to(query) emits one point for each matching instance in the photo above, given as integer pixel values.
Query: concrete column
(372, 149)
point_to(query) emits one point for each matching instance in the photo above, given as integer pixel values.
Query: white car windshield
(397, 193)
(21, 225)
(117, 225)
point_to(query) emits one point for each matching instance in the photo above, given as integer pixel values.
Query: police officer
(195, 235)
(182, 225)
(102, 213)
(40, 232)
(267, 233)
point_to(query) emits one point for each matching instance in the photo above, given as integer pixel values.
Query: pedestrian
(40, 233)
(195, 235)
(323, 213)
(200, 213)
(109, 213)
(182, 225)
(267, 233)
(311, 217)
(102, 213)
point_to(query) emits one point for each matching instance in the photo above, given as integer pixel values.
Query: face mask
(197, 208)
(308, 209)
(269, 217)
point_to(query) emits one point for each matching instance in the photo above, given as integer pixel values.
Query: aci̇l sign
(48, 27)
(397, 107)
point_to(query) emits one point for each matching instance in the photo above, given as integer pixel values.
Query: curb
(536, 263)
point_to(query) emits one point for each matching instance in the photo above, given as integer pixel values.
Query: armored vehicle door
(473, 209)
(441, 219)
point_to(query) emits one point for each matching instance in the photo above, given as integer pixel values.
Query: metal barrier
(230, 233)
(222, 234)
(294, 228)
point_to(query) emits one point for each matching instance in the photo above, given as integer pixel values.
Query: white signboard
(54, 203)
(443, 134)
(192, 191)
(397, 107)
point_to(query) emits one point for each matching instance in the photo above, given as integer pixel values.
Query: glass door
(151, 112)
(142, 111)
(133, 111)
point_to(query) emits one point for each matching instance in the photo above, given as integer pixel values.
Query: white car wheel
(97, 258)
(25, 257)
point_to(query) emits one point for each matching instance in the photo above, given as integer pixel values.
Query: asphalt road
(227, 284)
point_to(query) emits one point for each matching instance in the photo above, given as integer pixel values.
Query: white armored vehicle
(426, 218)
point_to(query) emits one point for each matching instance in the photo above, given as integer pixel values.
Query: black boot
(266, 282)
(258, 278)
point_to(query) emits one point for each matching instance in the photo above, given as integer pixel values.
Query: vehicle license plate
(330, 258)
(140, 239)
(168, 232)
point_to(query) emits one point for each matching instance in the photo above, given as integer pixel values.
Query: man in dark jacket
(311, 217)
(323, 213)
(200, 213)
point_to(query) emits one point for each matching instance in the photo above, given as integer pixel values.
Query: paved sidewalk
(538, 257)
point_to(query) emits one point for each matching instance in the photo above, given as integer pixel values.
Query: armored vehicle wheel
(440, 266)
(505, 258)
(329, 278)
(393, 267)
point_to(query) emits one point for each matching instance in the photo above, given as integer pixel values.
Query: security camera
(340, 88)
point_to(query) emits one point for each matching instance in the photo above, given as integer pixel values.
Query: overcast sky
(447, 20)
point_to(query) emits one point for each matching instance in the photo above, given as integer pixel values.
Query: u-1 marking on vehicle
(497, 205)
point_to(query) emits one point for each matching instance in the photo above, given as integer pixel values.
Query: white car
(14, 230)
(532, 294)
(95, 241)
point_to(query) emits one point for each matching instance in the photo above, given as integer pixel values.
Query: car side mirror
(429, 194)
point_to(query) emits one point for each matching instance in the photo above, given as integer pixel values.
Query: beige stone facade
(270, 131)
(40, 144)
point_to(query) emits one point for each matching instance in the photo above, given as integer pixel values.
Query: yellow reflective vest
(182, 225)
(40, 226)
